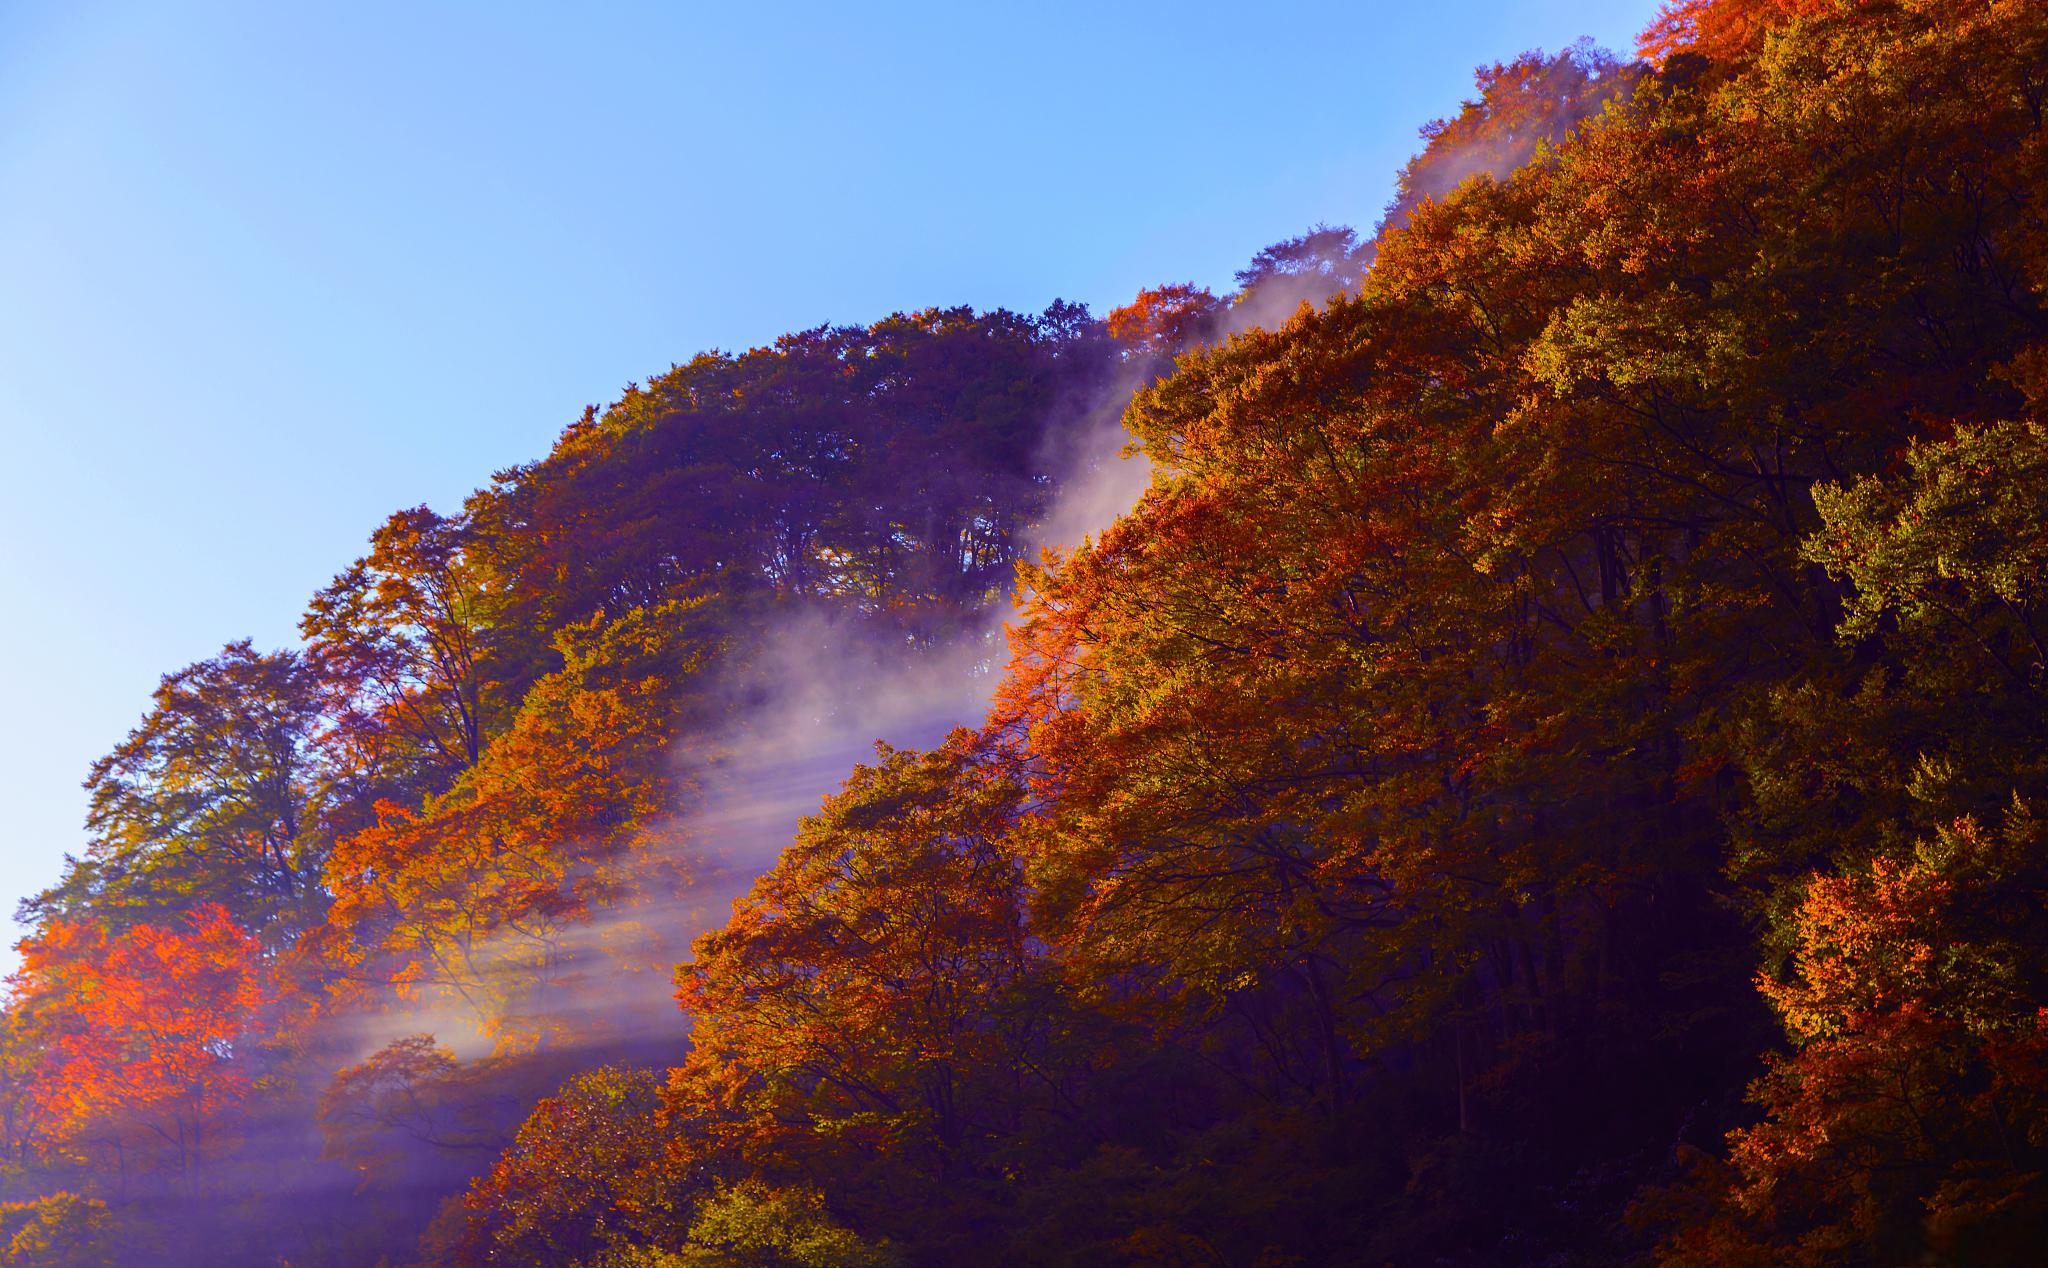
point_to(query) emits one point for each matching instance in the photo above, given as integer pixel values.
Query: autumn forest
(1517, 735)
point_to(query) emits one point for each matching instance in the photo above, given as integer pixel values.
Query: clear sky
(269, 272)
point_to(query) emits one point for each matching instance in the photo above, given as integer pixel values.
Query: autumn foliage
(1551, 770)
(138, 1034)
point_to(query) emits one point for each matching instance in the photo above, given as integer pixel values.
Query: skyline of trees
(1548, 770)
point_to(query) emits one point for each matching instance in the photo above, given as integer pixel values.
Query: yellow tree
(480, 894)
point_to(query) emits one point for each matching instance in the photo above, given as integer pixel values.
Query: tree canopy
(1551, 769)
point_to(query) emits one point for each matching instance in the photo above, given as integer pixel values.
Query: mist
(803, 699)
(806, 702)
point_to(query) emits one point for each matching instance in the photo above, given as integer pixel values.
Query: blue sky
(269, 272)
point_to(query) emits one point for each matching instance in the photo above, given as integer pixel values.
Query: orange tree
(876, 1020)
(147, 1039)
(1418, 706)
(478, 895)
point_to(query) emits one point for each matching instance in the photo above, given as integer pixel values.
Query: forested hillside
(1550, 770)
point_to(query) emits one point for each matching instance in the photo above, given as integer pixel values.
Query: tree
(1951, 562)
(61, 1230)
(1166, 320)
(148, 1038)
(760, 1227)
(1431, 659)
(214, 798)
(1725, 30)
(1523, 106)
(409, 1091)
(1599, 643)
(869, 1019)
(1325, 254)
(1911, 1120)
(476, 896)
(891, 467)
(1911, 1117)
(401, 639)
(1939, 713)
(585, 1175)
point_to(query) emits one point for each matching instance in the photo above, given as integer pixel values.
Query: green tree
(215, 798)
